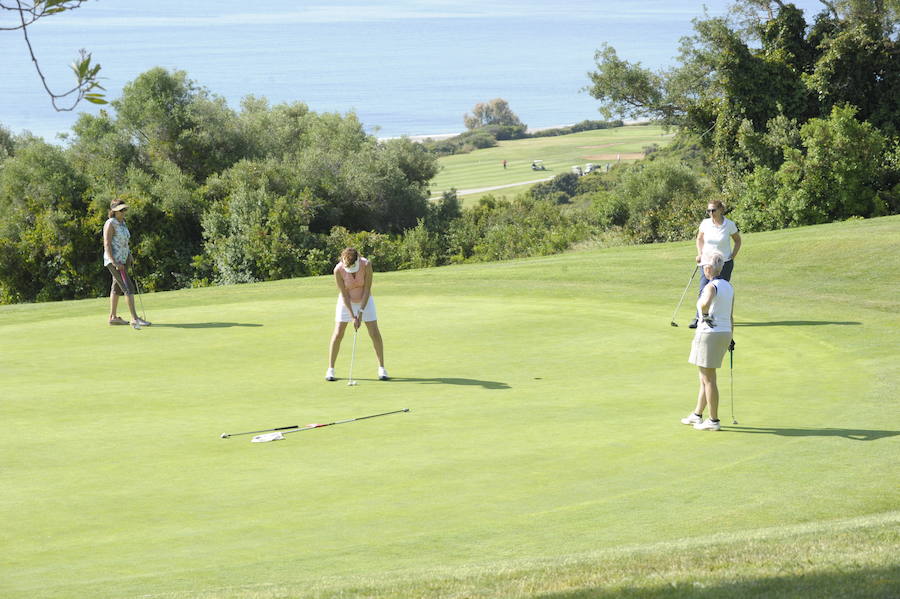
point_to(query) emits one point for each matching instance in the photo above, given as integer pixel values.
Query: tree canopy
(495, 112)
(217, 195)
(772, 95)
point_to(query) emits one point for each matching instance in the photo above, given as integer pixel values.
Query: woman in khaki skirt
(712, 340)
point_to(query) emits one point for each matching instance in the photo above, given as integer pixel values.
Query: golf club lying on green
(277, 434)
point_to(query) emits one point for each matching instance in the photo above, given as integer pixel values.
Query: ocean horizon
(403, 67)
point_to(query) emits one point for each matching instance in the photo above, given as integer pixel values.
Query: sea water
(405, 67)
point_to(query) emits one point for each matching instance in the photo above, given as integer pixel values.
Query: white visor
(353, 268)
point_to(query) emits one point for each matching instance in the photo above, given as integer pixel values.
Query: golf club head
(352, 384)
(734, 422)
(673, 323)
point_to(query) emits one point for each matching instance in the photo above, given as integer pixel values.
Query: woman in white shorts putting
(353, 275)
(712, 339)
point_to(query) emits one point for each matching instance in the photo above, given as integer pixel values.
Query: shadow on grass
(871, 583)
(453, 381)
(205, 325)
(847, 433)
(796, 323)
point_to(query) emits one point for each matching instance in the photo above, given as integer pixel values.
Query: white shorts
(341, 314)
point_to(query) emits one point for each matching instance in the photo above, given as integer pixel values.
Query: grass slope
(484, 168)
(542, 455)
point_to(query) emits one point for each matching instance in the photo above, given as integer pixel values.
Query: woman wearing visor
(117, 259)
(353, 275)
(713, 338)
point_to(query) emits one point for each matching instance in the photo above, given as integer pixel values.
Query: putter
(683, 293)
(268, 430)
(731, 380)
(351, 382)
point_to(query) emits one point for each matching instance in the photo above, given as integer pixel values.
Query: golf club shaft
(731, 380)
(268, 430)
(137, 290)
(312, 426)
(353, 353)
(140, 295)
(683, 293)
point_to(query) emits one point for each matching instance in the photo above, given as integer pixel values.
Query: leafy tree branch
(86, 73)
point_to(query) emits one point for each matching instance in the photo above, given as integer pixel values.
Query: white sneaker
(692, 419)
(707, 425)
(329, 375)
(382, 374)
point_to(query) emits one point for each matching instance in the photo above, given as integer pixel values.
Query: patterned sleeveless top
(121, 237)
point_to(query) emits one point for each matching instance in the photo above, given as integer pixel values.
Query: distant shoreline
(441, 136)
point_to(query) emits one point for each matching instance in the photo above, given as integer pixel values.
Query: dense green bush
(834, 175)
(49, 238)
(586, 125)
(461, 144)
(487, 136)
(559, 189)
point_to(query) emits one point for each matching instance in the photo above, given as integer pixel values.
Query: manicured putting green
(541, 446)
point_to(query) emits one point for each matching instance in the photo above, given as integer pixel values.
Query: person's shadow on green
(203, 325)
(452, 381)
(847, 433)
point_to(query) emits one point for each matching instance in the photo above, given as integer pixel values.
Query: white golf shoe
(329, 375)
(382, 374)
(707, 425)
(692, 419)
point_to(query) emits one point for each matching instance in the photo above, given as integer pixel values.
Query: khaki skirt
(708, 349)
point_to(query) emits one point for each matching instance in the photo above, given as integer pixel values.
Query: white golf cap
(120, 207)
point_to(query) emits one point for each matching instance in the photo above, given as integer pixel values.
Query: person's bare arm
(737, 244)
(345, 295)
(107, 242)
(367, 286)
(706, 298)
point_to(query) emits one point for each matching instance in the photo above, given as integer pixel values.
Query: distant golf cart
(538, 165)
(587, 168)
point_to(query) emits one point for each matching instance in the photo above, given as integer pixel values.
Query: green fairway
(542, 456)
(484, 168)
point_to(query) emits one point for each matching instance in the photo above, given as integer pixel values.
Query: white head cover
(268, 437)
(354, 267)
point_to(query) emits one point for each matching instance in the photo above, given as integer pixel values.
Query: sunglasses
(710, 210)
